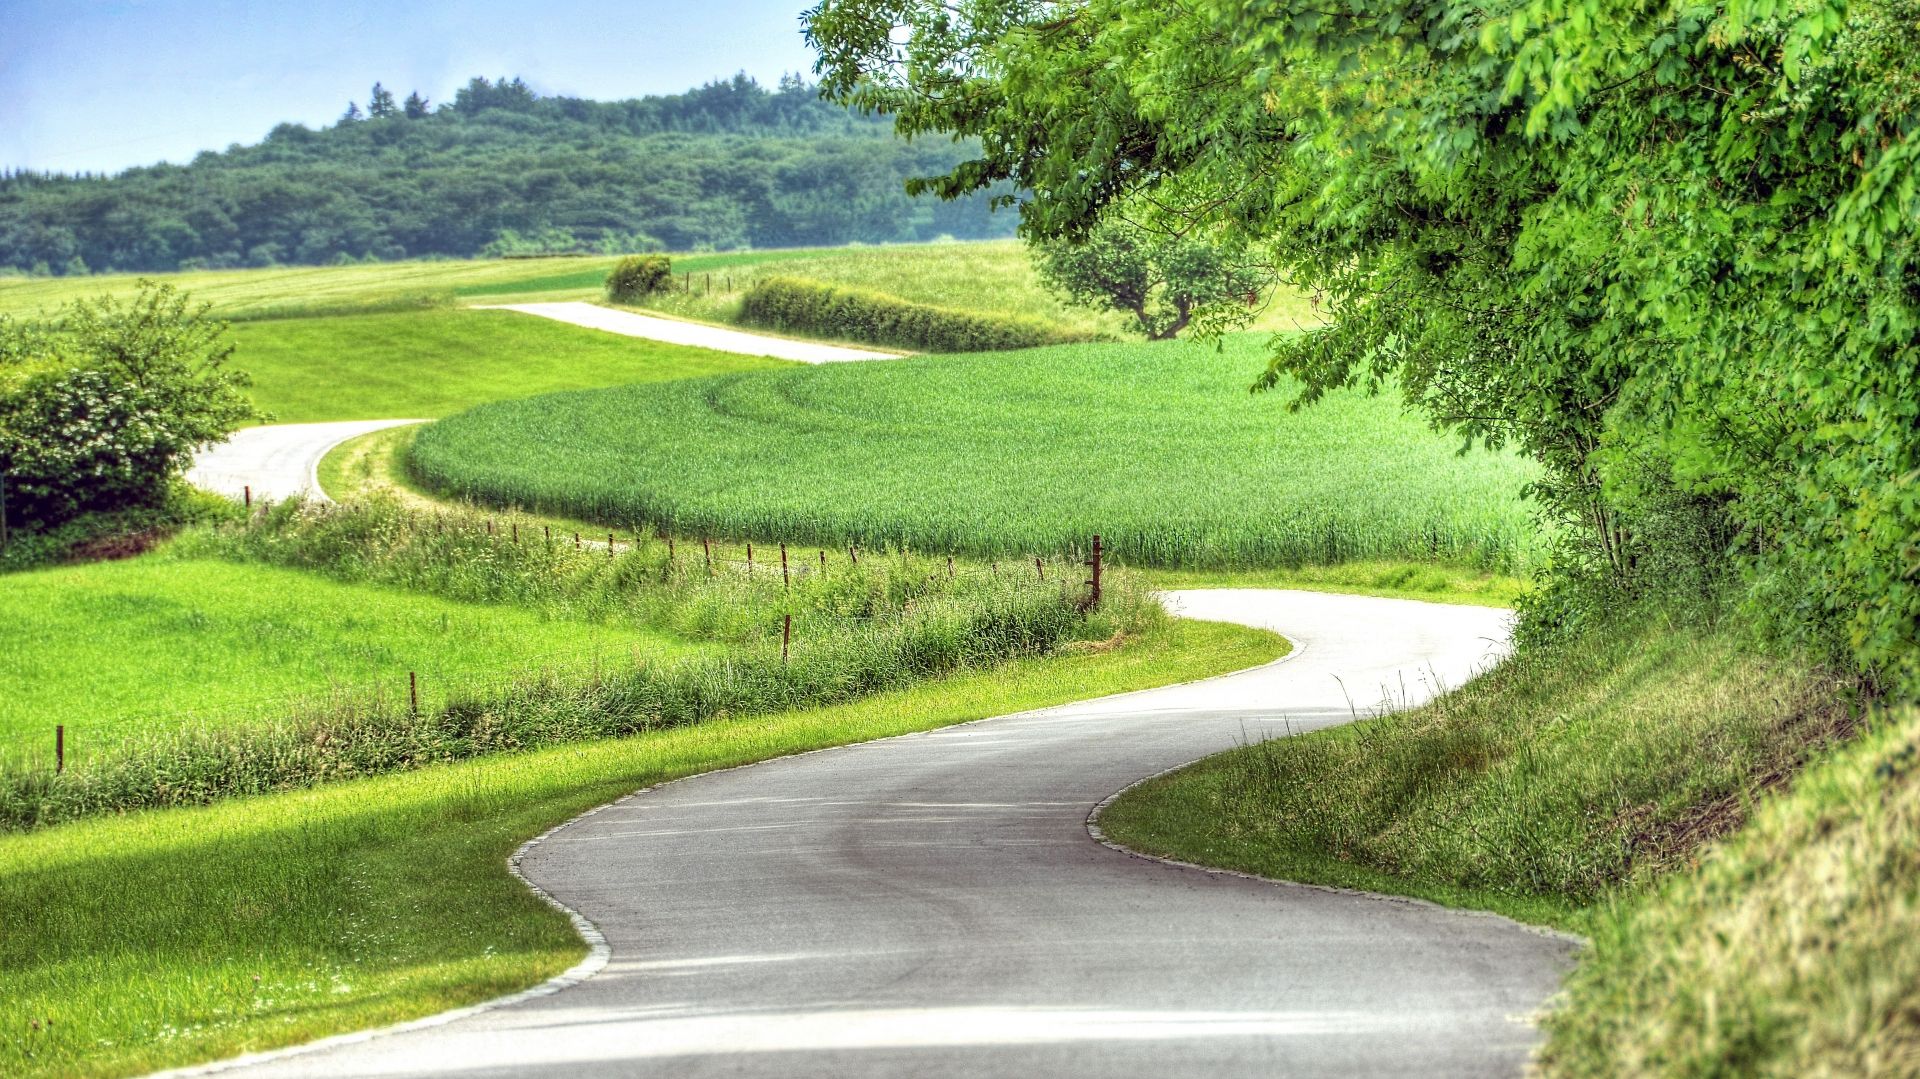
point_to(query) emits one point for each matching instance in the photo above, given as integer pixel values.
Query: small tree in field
(415, 107)
(101, 411)
(639, 276)
(1164, 281)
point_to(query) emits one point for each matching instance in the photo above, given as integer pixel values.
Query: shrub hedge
(639, 276)
(802, 306)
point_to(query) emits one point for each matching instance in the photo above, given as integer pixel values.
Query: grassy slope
(169, 937)
(1790, 951)
(1558, 779)
(430, 363)
(1157, 447)
(113, 647)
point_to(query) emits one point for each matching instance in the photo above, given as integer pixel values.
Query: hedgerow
(802, 306)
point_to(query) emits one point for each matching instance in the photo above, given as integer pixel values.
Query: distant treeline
(500, 170)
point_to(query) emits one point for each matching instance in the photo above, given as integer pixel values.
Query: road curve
(698, 335)
(934, 905)
(277, 461)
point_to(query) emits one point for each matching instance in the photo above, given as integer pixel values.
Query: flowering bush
(100, 410)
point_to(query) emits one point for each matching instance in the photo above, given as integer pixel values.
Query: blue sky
(91, 85)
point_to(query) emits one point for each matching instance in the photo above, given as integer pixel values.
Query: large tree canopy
(1666, 248)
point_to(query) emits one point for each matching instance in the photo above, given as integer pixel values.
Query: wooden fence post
(59, 748)
(853, 554)
(1095, 563)
(707, 542)
(1038, 569)
(949, 567)
(786, 582)
(786, 635)
(749, 559)
(609, 546)
(413, 692)
(516, 533)
(246, 496)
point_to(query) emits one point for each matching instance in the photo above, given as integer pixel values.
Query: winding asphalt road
(699, 335)
(276, 461)
(934, 905)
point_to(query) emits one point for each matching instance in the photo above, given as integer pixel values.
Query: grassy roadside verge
(1789, 951)
(162, 938)
(1573, 773)
(1730, 830)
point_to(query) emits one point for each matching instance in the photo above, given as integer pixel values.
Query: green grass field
(429, 363)
(109, 649)
(1159, 448)
(302, 291)
(163, 938)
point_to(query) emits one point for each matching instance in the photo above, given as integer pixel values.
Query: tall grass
(817, 636)
(1158, 448)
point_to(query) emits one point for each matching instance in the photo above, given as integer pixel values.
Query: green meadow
(1158, 448)
(115, 648)
(432, 362)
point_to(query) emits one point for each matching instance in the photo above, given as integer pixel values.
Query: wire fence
(429, 685)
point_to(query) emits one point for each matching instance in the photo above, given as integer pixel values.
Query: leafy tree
(1667, 250)
(415, 107)
(380, 104)
(101, 411)
(1161, 278)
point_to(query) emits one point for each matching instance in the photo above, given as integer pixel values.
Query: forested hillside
(500, 170)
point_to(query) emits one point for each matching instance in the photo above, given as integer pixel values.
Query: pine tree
(380, 106)
(352, 115)
(416, 106)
